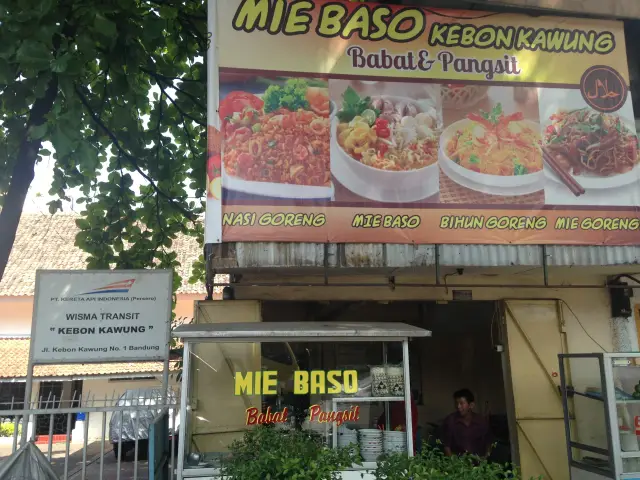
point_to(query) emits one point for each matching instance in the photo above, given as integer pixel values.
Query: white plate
(490, 184)
(277, 190)
(595, 182)
(382, 185)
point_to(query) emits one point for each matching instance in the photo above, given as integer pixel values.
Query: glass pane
(587, 407)
(237, 386)
(626, 381)
(590, 458)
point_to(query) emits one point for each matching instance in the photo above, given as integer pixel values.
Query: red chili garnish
(382, 123)
(382, 149)
(482, 121)
(383, 132)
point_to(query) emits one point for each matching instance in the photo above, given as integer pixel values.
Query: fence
(131, 423)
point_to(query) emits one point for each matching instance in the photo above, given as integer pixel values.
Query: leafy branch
(130, 158)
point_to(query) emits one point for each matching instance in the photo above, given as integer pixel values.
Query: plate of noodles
(493, 153)
(599, 150)
(385, 147)
(277, 144)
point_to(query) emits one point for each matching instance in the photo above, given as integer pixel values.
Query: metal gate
(152, 416)
(535, 337)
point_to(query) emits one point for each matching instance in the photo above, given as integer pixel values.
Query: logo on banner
(603, 89)
(117, 287)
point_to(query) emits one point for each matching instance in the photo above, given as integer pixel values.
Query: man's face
(463, 406)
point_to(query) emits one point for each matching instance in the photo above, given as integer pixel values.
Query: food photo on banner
(348, 122)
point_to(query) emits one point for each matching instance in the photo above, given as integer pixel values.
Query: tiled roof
(47, 242)
(14, 353)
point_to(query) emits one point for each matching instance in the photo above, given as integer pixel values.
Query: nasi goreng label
(358, 122)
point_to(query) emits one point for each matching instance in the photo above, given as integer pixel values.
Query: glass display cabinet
(337, 379)
(601, 402)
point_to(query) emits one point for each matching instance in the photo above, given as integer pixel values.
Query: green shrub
(432, 464)
(268, 453)
(7, 429)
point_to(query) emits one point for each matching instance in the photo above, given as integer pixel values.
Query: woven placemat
(451, 192)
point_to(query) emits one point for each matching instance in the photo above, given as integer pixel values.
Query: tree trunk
(22, 175)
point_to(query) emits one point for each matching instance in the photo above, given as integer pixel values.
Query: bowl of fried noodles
(385, 148)
(493, 153)
(600, 150)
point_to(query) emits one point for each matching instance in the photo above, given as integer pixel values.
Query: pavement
(92, 470)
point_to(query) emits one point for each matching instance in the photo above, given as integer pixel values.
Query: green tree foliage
(79, 74)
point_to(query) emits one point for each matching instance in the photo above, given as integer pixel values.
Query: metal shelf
(367, 399)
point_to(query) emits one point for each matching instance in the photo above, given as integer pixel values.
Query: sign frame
(125, 358)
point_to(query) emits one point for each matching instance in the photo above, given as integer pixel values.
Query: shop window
(239, 386)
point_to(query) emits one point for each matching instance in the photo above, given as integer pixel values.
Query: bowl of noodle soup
(505, 159)
(405, 169)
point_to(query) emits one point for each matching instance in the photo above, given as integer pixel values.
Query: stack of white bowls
(394, 442)
(347, 436)
(370, 444)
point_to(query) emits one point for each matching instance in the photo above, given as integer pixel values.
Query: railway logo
(122, 286)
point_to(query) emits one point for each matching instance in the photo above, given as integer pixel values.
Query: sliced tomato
(237, 102)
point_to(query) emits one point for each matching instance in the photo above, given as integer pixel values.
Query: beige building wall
(16, 315)
(587, 328)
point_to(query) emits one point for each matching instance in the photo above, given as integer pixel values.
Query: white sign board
(101, 316)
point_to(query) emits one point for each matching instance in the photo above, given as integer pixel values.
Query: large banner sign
(356, 122)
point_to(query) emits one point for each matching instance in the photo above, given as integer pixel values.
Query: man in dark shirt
(464, 431)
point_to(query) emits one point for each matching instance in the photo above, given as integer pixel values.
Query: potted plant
(284, 454)
(432, 464)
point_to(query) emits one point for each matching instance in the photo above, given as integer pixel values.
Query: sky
(38, 195)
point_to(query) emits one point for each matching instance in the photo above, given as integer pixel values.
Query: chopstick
(565, 176)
